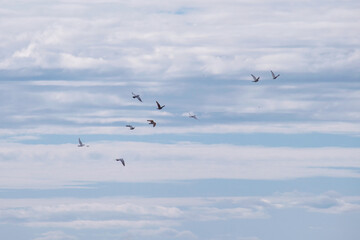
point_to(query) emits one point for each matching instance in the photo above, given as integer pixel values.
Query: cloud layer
(180, 38)
(48, 166)
(161, 217)
(67, 70)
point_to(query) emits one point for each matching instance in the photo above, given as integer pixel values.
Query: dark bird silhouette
(136, 96)
(256, 79)
(121, 160)
(273, 75)
(81, 144)
(158, 105)
(152, 122)
(193, 116)
(131, 127)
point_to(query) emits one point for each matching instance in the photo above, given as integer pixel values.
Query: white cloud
(72, 213)
(24, 137)
(331, 202)
(66, 83)
(25, 53)
(55, 235)
(247, 238)
(181, 37)
(156, 162)
(94, 224)
(91, 209)
(73, 62)
(35, 57)
(215, 214)
(189, 53)
(61, 107)
(245, 127)
(80, 97)
(168, 233)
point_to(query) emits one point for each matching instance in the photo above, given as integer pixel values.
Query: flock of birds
(159, 107)
(256, 79)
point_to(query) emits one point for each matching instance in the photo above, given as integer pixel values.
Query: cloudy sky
(272, 160)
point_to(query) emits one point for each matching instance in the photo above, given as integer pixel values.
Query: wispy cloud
(96, 213)
(163, 232)
(157, 162)
(55, 235)
(259, 127)
(331, 202)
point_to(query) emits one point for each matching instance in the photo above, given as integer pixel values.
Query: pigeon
(121, 160)
(131, 127)
(136, 96)
(273, 75)
(256, 79)
(193, 116)
(81, 144)
(152, 122)
(158, 105)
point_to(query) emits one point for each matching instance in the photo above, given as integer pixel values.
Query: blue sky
(272, 160)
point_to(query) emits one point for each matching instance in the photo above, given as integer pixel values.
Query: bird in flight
(159, 106)
(152, 122)
(81, 144)
(136, 96)
(121, 160)
(273, 75)
(131, 127)
(193, 116)
(256, 79)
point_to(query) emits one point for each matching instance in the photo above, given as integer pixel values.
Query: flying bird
(121, 160)
(273, 75)
(152, 122)
(136, 96)
(131, 127)
(81, 144)
(158, 105)
(256, 79)
(193, 116)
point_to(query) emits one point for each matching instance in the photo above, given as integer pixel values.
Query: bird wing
(80, 142)
(122, 161)
(136, 96)
(254, 77)
(154, 124)
(158, 104)
(273, 75)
